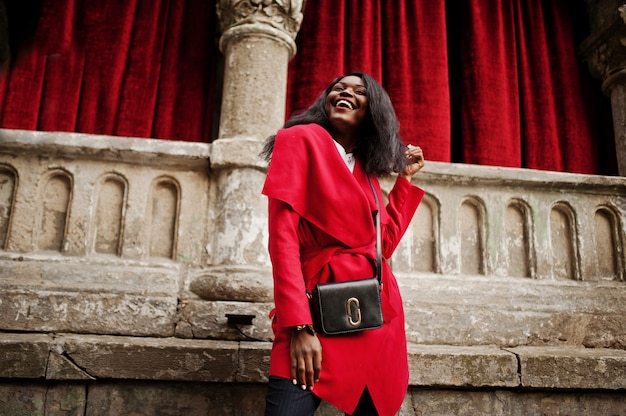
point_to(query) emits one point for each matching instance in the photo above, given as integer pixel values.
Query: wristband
(308, 327)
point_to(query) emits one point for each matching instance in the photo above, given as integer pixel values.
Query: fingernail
(303, 387)
(294, 381)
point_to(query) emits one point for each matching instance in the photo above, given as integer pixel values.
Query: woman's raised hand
(415, 161)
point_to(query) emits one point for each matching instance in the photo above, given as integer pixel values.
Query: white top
(347, 157)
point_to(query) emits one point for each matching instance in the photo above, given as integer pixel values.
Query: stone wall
(105, 375)
(122, 258)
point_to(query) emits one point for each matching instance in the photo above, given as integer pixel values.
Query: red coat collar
(307, 172)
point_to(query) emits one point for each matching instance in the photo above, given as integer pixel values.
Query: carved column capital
(280, 19)
(605, 49)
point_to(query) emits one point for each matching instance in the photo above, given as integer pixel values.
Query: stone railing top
(198, 156)
(465, 174)
(173, 154)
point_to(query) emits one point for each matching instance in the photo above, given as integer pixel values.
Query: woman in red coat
(321, 229)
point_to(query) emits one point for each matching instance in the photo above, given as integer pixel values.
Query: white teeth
(344, 103)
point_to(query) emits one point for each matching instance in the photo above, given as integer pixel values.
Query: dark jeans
(286, 399)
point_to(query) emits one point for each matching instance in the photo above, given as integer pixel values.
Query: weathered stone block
(606, 331)
(66, 399)
(246, 284)
(49, 293)
(254, 362)
(506, 311)
(206, 319)
(25, 398)
(441, 365)
(435, 402)
(572, 368)
(23, 356)
(172, 399)
(241, 151)
(127, 314)
(61, 367)
(239, 219)
(152, 358)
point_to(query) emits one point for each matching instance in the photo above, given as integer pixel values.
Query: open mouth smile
(343, 103)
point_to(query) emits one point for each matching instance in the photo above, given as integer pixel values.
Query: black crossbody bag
(351, 306)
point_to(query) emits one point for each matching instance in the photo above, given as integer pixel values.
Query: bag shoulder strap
(379, 255)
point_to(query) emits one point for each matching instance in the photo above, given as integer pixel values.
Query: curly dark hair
(380, 149)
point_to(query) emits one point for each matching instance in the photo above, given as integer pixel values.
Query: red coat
(321, 228)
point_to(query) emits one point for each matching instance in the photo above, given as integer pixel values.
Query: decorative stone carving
(605, 49)
(285, 15)
(258, 40)
(598, 61)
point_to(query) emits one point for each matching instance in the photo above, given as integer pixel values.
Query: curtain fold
(489, 105)
(490, 82)
(64, 68)
(415, 73)
(578, 137)
(187, 87)
(320, 55)
(539, 113)
(106, 42)
(518, 95)
(558, 130)
(22, 95)
(139, 68)
(402, 44)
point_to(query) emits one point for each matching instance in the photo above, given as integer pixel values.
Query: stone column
(605, 52)
(615, 87)
(258, 42)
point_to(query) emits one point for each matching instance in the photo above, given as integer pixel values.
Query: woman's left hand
(415, 161)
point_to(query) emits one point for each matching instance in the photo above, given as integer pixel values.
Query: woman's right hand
(306, 358)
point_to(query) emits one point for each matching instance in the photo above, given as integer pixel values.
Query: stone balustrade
(117, 249)
(92, 225)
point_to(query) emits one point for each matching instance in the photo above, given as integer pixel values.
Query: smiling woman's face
(346, 105)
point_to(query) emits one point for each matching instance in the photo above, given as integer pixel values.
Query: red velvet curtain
(400, 43)
(523, 96)
(491, 82)
(143, 68)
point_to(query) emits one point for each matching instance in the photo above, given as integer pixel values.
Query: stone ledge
(61, 311)
(571, 368)
(55, 272)
(447, 366)
(463, 174)
(43, 293)
(87, 357)
(175, 154)
(82, 357)
(237, 152)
